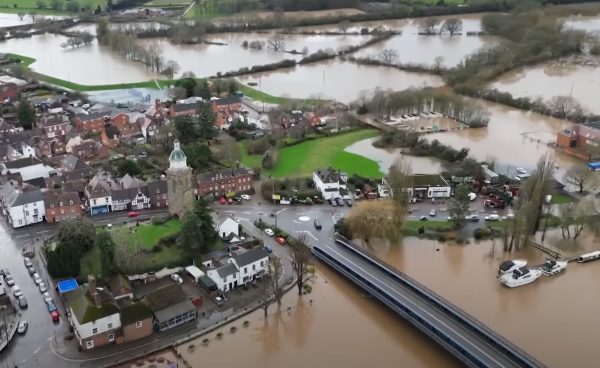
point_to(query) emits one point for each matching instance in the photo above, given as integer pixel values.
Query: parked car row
(340, 202)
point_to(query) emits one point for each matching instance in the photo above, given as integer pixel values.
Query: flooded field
(554, 79)
(339, 80)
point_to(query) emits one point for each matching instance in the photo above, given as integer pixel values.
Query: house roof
(251, 256)
(111, 131)
(422, 180)
(129, 182)
(119, 282)
(174, 310)
(28, 197)
(226, 270)
(77, 174)
(186, 106)
(22, 162)
(120, 194)
(53, 198)
(224, 173)
(93, 116)
(228, 100)
(100, 185)
(37, 182)
(157, 187)
(84, 309)
(164, 297)
(135, 312)
(328, 175)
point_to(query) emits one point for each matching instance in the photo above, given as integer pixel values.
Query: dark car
(423, 218)
(51, 307)
(22, 302)
(332, 202)
(339, 201)
(317, 224)
(348, 202)
(31, 270)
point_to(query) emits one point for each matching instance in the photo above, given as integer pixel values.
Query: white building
(330, 183)
(226, 277)
(430, 186)
(383, 191)
(240, 269)
(98, 193)
(22, 208)
(28, 167)
(228, 227)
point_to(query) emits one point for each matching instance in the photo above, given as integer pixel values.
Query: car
(237, 199)
(55, 315)
(220, 300)
(35, 276)
(432, 213)
(229, 201)
(9, 280)
(268, 249)
(51, 307)
(47, 298)
(339, 201)
(31, 270)
(280, 240)
(348, 202)
(269, 232)
(332, 202)
(177, 278)
(510, 216)
(492, 217)
(42, 287)
(423, 218)
(17, 291)
(133, 214)
(245, 197)
(22, 327)
(22, 302)
(317, 224)
(472, 218)
(38, 280)
(223, 200)
(27, 262)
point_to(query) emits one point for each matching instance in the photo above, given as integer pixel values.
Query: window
(89, 344)
(51, 205)
(70, 202)
(138, 324)
(111, 337)
(20, 222)
(262, 263)
(94, 201)
(254, 267)
(94, 330)
(109, 325)
(25, 206)
(35, 211)
(26, 213)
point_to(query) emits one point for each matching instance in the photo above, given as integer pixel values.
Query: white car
(17, 291)
(38, 280)
(22, 327)
(47, 298)
(245, 197)
(42, 287)
(432, 213)
(269, 232)
(492, 217)
(177, 278)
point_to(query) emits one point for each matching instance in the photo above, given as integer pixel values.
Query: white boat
(511, 265)
(519, 277)
(550, 268)
(589, 256)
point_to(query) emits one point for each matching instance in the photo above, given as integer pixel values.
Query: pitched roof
(134, 313)
(226, 270)
(22, 162)
(84, 309)
(28, 197)
(72, 163)
(164, 297)
(93, 116)
(328, 175)
(119, 194)
(157, 187)
(251, 256)
(228, 100)
(37, 182)
(53, 198)
(186, 106)
(223, 173)
(129, 182)
(118, 282)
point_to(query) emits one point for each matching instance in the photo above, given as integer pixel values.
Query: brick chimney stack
(93, 291)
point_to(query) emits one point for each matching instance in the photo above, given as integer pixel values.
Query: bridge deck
(460, 338)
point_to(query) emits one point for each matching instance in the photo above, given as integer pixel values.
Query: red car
(280, 240)
(55, 316)
(223, 200)
(133, 214)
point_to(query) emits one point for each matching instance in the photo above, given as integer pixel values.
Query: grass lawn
(90, 263)
(302, 159)
(560, 198)
(28, 6)
(149, 234)
(168, 3)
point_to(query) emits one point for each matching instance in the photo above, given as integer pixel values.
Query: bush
(156, 249)
(168, 240)
(482, 233)
(160, 219)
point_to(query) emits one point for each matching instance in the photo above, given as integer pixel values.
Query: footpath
(8, 328)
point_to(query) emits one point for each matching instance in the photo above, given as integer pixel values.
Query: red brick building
(93, 123)
(9, 92)
(62, 206)
(54, 126)
(184, 109)
(581, 140)
(136, 321)
(158, 193)
(224, 108)
(224, 181)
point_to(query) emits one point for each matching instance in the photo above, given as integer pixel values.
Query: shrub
(168, 240)
(160, 219)
(156, 249)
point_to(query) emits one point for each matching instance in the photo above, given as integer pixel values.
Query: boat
(519, 277)
(521, 170)
(511, 265)
(589, 256)
(551, 267)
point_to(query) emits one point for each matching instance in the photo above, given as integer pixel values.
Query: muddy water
(553, 79)
(334, 79)
(385, 157)
(341, 328)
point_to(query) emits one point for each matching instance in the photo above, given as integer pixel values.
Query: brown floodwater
(552, 319)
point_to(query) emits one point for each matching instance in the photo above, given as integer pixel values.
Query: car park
(220, 300)
(223, 200)
(432, 213)
(22, 327)
(37, 280)
(317, 224)
(472, 218)
(423, 218)
(9, 279)
(42, 287)
(51, 307)
(22, 302)
(177, 278)
(492, 217)
(348, 202)
(269, 232)
(280, 240)
(268, 249)
(17, 291)
(332, 202)
(27, 262)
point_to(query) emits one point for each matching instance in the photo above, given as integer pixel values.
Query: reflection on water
(336, 79)
(385, 157)
(551, 79)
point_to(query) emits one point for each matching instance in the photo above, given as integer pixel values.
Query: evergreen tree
(80, 233)
(25, 114)
(105, 244)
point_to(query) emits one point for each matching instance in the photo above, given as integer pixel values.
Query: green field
(559, 198)
(29, 6)
(90, 263)
(148, 235)
(304, 158)
(168, 3)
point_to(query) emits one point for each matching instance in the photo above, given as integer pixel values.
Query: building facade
(331, 183)
(179, 183)
(61, 206)
(218, 183)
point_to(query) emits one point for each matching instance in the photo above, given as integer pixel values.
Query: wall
(85, 330)
(130, 332)
(18, 213)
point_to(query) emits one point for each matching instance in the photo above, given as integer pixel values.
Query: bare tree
(188, 75)
(171, 68)
(276, 43)
(376, 219)
(344, 25)
(438, 63)
(32, 15)
(300, 257)
(21, 15)
(399, 179)
(388, 56)
(427, 26)
(229, 151)
(452, 26)
(578, 175)
(275, 270)
(564, 106)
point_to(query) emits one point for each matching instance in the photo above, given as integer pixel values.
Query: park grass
(90, 263)
(148, 235)
(168, 3)
(560, 198)
(302, 159)
(29, 6)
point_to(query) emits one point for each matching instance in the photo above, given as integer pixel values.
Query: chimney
(93, 291)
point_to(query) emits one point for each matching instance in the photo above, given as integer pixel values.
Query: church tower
(179, 182)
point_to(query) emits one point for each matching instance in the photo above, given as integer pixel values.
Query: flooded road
(385, 157)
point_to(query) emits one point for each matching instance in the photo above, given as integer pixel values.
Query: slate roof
(251, 256)
(99, 186)
(72, 163)
(186, 106)
(120, 195)
(135, 312)
(53, 198)
(226, 270)
(328, 175)
(22, 162)
(37, 182)
(129, 182)
(224, 173)
(228, 100)
(93, 116)
(28, 197)
(164, 297)
(84, 309)
(157, 187)
(118, 282)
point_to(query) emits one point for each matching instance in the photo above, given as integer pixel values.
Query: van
(317, 224)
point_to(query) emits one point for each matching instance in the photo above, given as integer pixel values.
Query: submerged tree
(459, 205)
(375, 219)
(300, 258)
